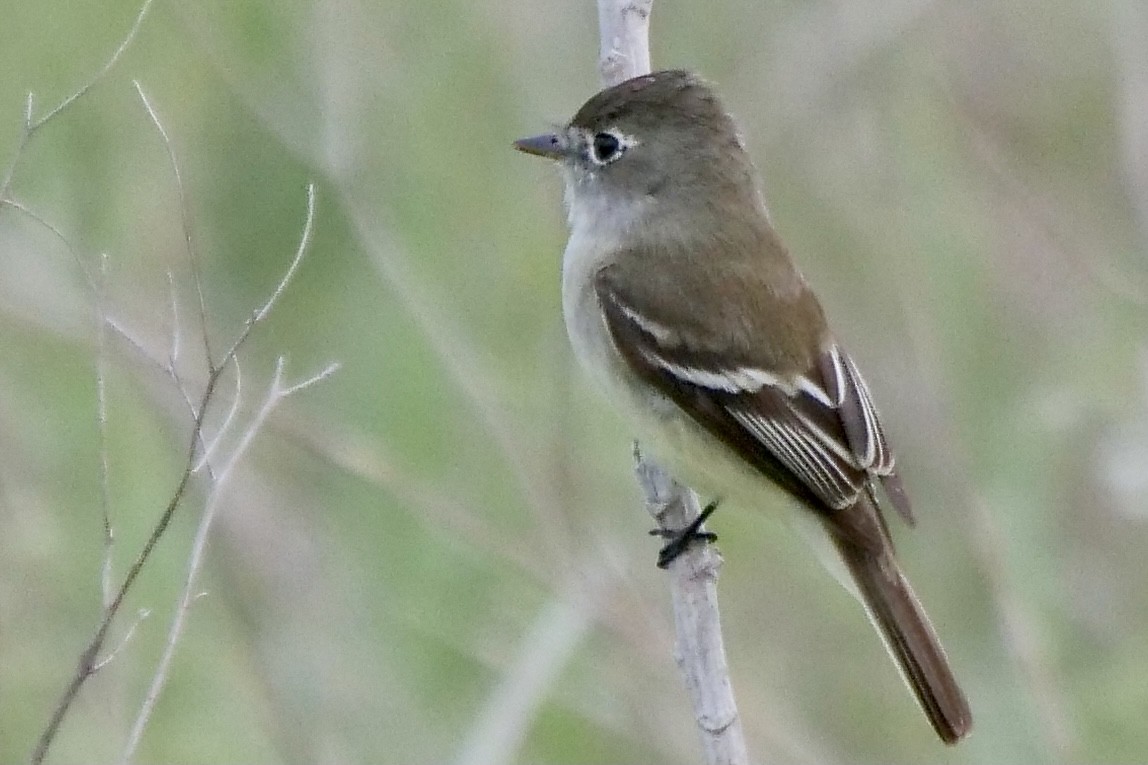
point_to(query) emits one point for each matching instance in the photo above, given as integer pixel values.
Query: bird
(685, 307)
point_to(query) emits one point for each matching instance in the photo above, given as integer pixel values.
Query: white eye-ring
(608, 145)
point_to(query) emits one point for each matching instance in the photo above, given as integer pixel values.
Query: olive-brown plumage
(683, 303)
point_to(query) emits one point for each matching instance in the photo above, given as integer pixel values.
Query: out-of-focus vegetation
(437, 555)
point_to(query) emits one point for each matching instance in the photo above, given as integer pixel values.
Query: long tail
(909, 636)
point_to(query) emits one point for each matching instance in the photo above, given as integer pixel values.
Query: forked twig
(143, 614)
(276, 394)
(88, 664)
(185, 221)
(30, 126)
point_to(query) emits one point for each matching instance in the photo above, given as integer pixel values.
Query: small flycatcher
(684, 305)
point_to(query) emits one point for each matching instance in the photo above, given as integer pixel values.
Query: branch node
(719, 726)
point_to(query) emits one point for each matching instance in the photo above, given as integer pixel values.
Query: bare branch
(89, 277)
(87, 660)
(173, 365)
(31, 126)
(276, 394)
(700, 650)
(87, 664)
(21, 144)
(261, 313)
(34, 126)
(211, 448)
(176, 332)
(185, 220)
(166, 368)
(96, 283)
(136, 344)
(319, 377)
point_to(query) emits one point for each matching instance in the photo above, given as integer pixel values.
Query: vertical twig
(185, 221)
(699, 648)
(106, 591)
(624, 28)
(1130, 24)
(700, 651)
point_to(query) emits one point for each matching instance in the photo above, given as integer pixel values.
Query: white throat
(601, 224)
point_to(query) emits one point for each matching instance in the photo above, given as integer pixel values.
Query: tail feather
(910, 638)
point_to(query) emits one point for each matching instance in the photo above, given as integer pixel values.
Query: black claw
(683, 538)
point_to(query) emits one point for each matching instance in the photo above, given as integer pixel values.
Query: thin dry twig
(221, 432)
(261, 313)
(89, 277)
(143, 614)
(30, 126)
(176, 334)
(185, 221)
(99, 75)
(276, 394)
(102, 427)
(137, 345)
(88, 663)
(168, 367)
(624, 30)
(699, 648)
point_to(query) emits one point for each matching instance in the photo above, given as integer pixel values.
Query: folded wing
(814, 431)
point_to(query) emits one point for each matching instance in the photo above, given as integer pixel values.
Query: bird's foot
(681, 539)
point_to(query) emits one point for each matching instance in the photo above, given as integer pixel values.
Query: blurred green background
(438, 554)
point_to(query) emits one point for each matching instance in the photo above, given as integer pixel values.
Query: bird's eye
(606, 148)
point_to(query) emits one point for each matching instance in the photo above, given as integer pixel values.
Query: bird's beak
(547, 145)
